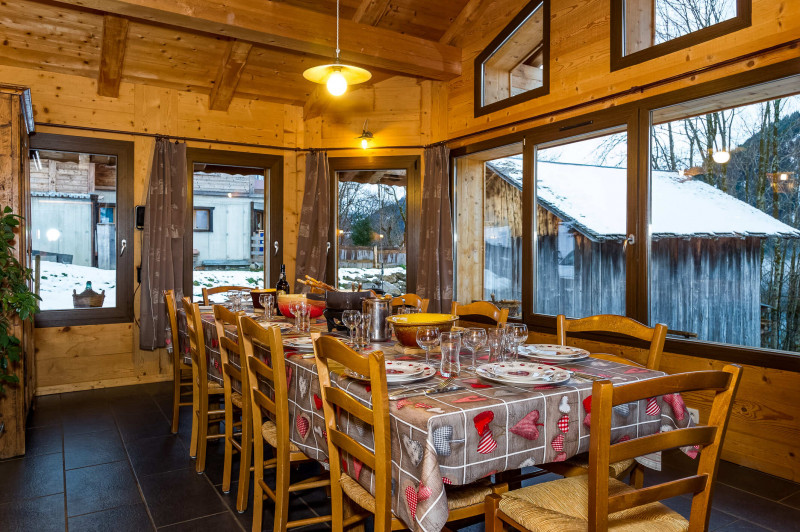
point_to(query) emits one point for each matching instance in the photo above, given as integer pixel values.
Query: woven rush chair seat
(616, 469)
(236, 399)
(563, 506)
(270, 433)
(215, 388)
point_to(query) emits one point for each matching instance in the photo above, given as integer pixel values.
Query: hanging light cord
(337, 31)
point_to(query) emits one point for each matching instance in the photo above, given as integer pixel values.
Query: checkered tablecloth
(461, 437)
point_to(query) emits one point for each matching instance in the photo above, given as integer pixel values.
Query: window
(203, 219)
(515, 66)
(82, 242)
(489, 227)
(375, 247)
(644, 29)
(725, 223)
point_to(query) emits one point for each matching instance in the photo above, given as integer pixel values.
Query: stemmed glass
(475, 339)
(427, 339)
(496, 338)
(298, 308)
(267, 301)
(351, 320)
(235, 298)
(517, 335)
(450, 364)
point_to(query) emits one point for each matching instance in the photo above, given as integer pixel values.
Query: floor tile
(683, 505)
(179, 496)
(101, 487)
(89, 419)
(158, 455)
(93, 448)
(215, 463)
(44, 514)
(143, 425)
(212, 523)
(135, 404)
(765, 512)
(46, 410)
(743, 526)
(130, 518)
(43, 440)
(31, 476)
(792, 500)
(763, 484)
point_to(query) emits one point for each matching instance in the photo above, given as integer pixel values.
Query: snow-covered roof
(593, 200)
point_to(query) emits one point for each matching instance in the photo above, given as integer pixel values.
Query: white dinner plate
(428, 371)
(516, 373)
(282, 325)
(303, 343)
(400, 370)
(553, 352)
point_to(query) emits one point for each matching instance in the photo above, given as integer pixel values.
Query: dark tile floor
(106, 460)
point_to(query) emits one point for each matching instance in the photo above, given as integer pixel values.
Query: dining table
(464, 436)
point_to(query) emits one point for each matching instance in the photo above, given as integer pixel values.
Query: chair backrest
(234, 371)
(411, 300)
(197, 343)
(601, 452)
(334, 400)
(271, 406)
(172, 316)
(482, 312)
(217, 289)
(618, 325)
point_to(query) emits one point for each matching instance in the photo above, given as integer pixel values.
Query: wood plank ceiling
(225, 48)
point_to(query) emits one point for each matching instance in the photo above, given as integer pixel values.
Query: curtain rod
(633, 90)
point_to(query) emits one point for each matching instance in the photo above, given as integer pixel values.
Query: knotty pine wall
(74, 358)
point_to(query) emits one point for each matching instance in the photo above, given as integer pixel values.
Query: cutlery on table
(424, 391)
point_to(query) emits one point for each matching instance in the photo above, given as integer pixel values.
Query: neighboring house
(705, 252)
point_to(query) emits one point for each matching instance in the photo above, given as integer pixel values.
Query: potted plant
(16, 298)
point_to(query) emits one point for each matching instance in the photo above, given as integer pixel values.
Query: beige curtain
(165, 224)
(435, 271)
(313, 234)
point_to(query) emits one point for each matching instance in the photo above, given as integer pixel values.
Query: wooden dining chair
(270, 412)
(237, 406)
(597, 502)
(480, 312)
(410, 300)
(181, 371)
(336, 402)
(579, 465)
(203, 389)
(207, 292)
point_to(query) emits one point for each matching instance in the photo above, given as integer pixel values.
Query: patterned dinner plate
(282, 325)
(523, 373)
(553, 352)
(302, 343)
(428, 371)
(399, 370)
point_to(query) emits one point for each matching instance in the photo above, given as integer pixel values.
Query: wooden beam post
(465, 17)
(371, 11)
(281, 25)
(233, 63)
(115, 35)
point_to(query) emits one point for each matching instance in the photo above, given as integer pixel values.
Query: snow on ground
(393, 280)
(59, 280)
(208, 278)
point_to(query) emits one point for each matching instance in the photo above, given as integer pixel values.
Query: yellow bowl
(406, 325)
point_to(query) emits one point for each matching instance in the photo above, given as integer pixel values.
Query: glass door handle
(123, 246)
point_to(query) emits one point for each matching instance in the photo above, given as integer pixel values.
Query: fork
(422, 389)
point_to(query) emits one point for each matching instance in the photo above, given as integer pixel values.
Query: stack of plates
(553, 353)
(282, 325)
(522, 373)
(302, 343)
(401, 372)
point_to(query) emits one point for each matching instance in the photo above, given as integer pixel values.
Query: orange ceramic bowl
(406, 325)
(315, 307)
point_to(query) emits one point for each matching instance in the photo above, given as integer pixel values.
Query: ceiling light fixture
(337, 76)
(366, 136)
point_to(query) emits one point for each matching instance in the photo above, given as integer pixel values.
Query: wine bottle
(282, 287)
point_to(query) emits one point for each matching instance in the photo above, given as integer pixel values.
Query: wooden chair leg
(176, 399)
(282, 473)
(202, 438)
(195, 421)
(637, 476)
(337, 506)
(258, 476)
(228, 459)
(493, 523)
(245, 461)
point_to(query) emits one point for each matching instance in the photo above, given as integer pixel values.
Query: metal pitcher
(375, 312)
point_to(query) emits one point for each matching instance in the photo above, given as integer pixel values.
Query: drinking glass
(450, 343)
(268, 302)
(517, 335)
(235, 297)
(496, 339)
(351, 318)
(474, 339)
(427, 339)
(362, 333)
(300, 309)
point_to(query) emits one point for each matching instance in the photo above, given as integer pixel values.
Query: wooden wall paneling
(294, 169)
(469, 228)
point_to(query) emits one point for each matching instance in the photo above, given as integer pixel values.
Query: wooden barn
(705, 252)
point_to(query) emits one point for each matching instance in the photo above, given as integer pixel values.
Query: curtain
(435, 272)
(313, 235)
(165, 225)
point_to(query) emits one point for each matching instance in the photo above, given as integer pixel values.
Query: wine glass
(299, 311)
(450, 364)
(427, 339)
(268, 302)
(496, 339)
(351, 319)
(475, 339)
(518, 333)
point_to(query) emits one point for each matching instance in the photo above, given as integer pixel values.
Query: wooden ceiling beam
(112, 57)
(230, 71)
(281, 25)
(465, 17)
(371, 11)
(320, 99)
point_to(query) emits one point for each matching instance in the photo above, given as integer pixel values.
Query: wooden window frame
(123, 151)
(619, 60)
(412, 165)
(637, 303)
(497, 42)
(273, 205)
(210, 211)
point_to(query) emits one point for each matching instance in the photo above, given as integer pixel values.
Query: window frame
(619, 60)
(484, 109)
(210, 211)
(638, 257)
(123, 151)
(273, 205)
(411, 164)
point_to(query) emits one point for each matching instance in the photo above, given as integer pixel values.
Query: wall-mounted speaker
(140, 217)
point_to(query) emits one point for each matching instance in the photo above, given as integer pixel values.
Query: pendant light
(337, 76)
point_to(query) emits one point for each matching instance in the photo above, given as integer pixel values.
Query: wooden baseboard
(108, 383)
